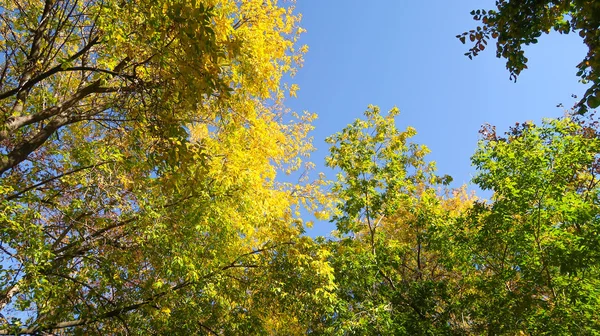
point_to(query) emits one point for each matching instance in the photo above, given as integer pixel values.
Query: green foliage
(139, 146)
(515, 23)
(534, 248)
(414, 258)
(390, 218)
(376, 163)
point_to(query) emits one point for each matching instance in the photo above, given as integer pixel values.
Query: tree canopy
(415, 257)
(136, 139)
(142, 145)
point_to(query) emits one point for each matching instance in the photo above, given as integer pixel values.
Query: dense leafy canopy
(390, 276)
(140, 147)
(136, 139)
(536, 244)
(515, 23)
(416, 258)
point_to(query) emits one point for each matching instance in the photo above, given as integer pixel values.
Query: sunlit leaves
(515, 23)
(141, 143)
(394, 220)
(534, 245)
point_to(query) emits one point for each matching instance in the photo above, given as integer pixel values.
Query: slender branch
(64, 18)
(53, 178)
(92, 69)
(31, 82)
(89, 239)
(22, 151)
(68, 229)
(32, 58)
(209, 330)
(83, 284)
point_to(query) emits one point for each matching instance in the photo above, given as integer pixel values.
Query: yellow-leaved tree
(139, 145)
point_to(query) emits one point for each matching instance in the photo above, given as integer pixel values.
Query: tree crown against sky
(143, 145)
(140, 143)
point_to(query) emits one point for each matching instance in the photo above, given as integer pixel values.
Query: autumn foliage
(142, 149)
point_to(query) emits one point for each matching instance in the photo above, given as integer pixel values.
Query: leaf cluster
(515, 23)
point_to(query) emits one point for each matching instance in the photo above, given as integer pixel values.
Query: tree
(412, 257)
(532, 252)
(391, 220)
(515, 23)
(139, 146)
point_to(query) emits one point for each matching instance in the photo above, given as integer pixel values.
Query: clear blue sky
(404, 53)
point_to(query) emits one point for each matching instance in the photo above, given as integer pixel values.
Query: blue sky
(405, 53)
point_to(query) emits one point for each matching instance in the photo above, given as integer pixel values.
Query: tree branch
(53, 178)
(32, 58)
(31, 82)
(5, 299)
(61, 118)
